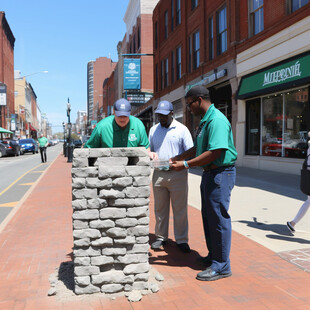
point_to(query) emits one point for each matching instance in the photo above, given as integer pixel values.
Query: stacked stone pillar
(110, 201)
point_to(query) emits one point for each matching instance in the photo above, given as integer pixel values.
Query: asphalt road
(18, 174)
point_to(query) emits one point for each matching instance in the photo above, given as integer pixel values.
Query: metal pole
(70, 144)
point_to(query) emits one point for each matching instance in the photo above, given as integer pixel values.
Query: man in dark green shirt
(120, 130)
(214, 151)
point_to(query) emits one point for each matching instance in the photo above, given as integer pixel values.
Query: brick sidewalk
(39, 239)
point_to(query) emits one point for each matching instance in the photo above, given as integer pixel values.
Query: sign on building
(132, 74)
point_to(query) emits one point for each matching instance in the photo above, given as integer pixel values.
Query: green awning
(287, 74)
(3, 130)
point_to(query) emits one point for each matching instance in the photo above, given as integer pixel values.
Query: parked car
(77, 143)
(10, 147)
(29, 145)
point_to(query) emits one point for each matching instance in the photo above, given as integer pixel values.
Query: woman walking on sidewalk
(305, 206)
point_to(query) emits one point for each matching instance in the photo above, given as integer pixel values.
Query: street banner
(2, 94)
(132, 74)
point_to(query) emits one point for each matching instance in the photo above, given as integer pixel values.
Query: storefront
(277, 116)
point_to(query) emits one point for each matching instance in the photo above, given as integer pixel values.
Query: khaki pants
(171, 185)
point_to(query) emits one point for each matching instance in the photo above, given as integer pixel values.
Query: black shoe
(211, 275)
(290, 227)
(205, 261)
(184, 247)
(158, 244)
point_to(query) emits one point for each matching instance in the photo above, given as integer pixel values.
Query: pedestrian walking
(43, 143)
(120, 130)
(304, 207)
(169, 138)
(215, 153)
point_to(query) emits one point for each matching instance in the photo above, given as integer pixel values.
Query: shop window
(178, 11)
(211, 41)
(178, 111)
(297, 4)
(179, 63)
(256, 16)
(253, 126)
(221, 31)
(156, 77)
(285, 124)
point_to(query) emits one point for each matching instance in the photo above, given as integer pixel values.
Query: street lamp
(69, 140)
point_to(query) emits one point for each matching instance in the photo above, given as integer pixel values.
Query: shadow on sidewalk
(66, 273)
(275, 182)
(281, 231)
(172, 256)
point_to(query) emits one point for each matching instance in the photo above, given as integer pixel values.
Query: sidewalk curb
(26, 195)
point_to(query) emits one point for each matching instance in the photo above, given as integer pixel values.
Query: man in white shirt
(168, 139)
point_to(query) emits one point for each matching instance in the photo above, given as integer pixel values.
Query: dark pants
(216, 186)
(43, 154)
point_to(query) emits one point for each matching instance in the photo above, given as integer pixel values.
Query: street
(18, 174)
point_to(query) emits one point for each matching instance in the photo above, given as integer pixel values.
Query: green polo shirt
(216, 134)
(42, 141)
(108, 134)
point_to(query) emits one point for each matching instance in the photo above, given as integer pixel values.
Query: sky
(62, 36)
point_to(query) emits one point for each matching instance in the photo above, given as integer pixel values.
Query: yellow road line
(27, 184)
(18, 179)
(9, 204)
(38, 171)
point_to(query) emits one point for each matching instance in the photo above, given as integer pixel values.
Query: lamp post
(64, 145)
(69, 140)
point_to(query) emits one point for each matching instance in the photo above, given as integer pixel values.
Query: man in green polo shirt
(215, 153)
(120, 130)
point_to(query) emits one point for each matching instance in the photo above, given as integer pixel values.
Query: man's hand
(177, 165)
(153, 156)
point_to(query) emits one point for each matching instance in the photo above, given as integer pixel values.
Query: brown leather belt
(210, 167)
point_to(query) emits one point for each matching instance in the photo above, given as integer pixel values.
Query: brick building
(273, 70)
(7, 41)
(97, 72)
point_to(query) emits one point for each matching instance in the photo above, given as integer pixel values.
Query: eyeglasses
(190, 103)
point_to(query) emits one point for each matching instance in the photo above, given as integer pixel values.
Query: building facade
(97, 72)
(273, 70)
(7, 40)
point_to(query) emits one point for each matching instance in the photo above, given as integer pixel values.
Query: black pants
(43, 154)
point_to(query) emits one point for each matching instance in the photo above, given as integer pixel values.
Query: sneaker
(184, 247)
(290, 227)
(158, 244)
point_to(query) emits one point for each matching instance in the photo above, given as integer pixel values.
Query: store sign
(139, 98)
(2, 94)
(275, 77)
(132, 74)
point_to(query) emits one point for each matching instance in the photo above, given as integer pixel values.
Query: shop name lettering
(282, 75)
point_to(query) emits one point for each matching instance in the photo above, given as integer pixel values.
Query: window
(189, 54)
(166, 72)
(172, 15)
(211, 41)
(172, 67)
(162, 74)
(134, 43)
(194, 4)
(178, 9)
(179, 67)
(256, 16)
(166, 24)
(139, 38)
(196, 50)
(285, 124)
(297, 4)
(156, 36)
(221, 31)
(156, 77)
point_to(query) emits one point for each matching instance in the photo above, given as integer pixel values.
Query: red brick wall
(6, 71)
